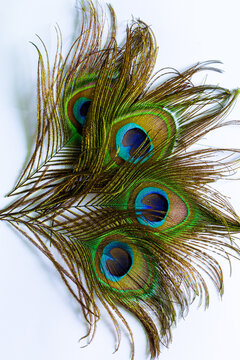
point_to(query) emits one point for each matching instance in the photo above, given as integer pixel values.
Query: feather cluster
(114, 184)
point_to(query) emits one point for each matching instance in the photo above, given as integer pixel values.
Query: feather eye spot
(80, 110)
(133, 143)
(116, 260)
(142, 135)
(121, 266)
(152, 206)
(160, 207)
(83, 108)
(77, 107)
(120, 263)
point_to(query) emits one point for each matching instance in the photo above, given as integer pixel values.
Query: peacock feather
(115, 185)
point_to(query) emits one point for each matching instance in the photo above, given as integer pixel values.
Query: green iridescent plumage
(115, 187)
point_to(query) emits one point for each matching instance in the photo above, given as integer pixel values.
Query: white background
(38, 318)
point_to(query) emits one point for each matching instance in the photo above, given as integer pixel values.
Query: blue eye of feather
(80, 109)
(152, 206)
(116, 260)
(133, 143)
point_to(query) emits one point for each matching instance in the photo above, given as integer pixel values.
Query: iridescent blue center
(80, 109)
(116, 260)
(152, 206)
(133, 143)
